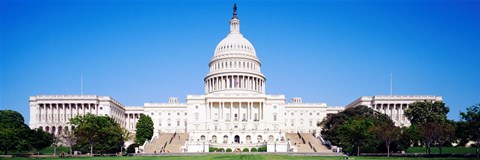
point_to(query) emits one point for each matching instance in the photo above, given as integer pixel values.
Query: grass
(239, 157)
(458, 150)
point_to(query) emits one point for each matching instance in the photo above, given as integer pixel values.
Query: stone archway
(237, 139)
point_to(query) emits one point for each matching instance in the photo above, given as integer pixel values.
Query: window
(318, 113)
(178, 113)
(196, 107)
(178, 123)
(275, 107)
(310, 113)
(292, 113)
(168, 113)
(151, 113)
(310, 123)
(160, 122)
(185, 113)
(196, 116)
(275, 117)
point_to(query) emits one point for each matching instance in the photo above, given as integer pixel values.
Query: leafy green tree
(356, 117)
(98, 133)
(354, 133)
(444, 134)
(410, 136)
(387, 133)
(462, 133)
(12, 130)
(39, 139)
(427, 111)
(472, 119)
(144, 129)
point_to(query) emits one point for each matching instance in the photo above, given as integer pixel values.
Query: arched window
(225, 139)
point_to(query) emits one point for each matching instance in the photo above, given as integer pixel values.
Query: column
(261, 105)
(239, 113)
(231, 106)
(250, 110)
(39, 118)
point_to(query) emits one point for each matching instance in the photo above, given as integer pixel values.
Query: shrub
(262, 149)
(253, 150)
(245, 150)
(131, 148)
(228, 150)
(212, 149)
(220, 150)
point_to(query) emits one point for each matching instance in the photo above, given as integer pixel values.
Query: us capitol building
(235, 112)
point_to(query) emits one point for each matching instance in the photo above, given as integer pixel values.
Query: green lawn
(239, 157)
(460, 150)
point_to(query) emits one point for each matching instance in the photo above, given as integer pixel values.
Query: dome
(235, 67)
(235, 44)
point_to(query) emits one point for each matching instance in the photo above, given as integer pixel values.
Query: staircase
(296, 140)
(315, 143)
(158, 143)
(167, 142)
(177, 142)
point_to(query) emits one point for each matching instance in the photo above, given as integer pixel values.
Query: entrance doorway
(237, 139)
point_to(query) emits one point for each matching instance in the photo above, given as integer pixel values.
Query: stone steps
(319, 147)
(158, 143)
(177, 142)
(298, 143)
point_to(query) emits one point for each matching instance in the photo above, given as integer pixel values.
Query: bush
(228, 150)
(131, 148)
(212, 149)
(245, 150)
(253, 150)
(220, 150)
(262, 149)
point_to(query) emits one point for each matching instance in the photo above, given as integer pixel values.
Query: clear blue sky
(326, 51)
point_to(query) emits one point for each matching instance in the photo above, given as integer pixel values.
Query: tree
(386, 132)
(444, 133)
(96, 132)
(12, 130)
(144, 129)
(427, 111)
(472, 118)
(354, 132)
(40, 139)
(331, 125)
(462, 133)
(69, 139)
(435, 132)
